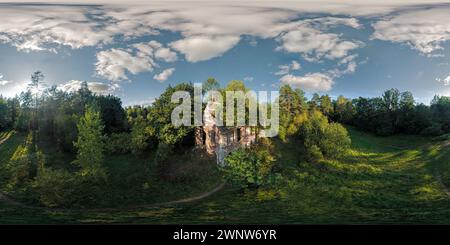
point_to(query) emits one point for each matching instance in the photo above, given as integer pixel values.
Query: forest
(82, 150)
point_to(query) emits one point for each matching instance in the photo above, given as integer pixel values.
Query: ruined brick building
(221, 140)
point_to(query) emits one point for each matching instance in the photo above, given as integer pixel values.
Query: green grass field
(381, 180)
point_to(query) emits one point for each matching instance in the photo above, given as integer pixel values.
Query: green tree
(292, 104)
(159, 116)
(326, 106)
(36, 79)
(141, 134)
(251, 167)
(318, 134)
(3, 114)
(343, 110)
(210, 84)
(90, 144)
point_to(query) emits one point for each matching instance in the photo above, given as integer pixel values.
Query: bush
(314, 153)
(331, 139)
(118, 143)
(336, 140)
(66, 131)
(162, 157)
(250, 167)
(434, 130)
(55, 188)
(60, 188)
(24, 163)
(141, 134)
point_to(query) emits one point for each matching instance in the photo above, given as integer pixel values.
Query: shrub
(118, 143)
(60, 188)
(55, 188)
(66, 131)
(434, 130)
(250, 167)
(331, 139)
(140, 136)
(336, 140)
(162, 157)
(23, 165)
(314, 153)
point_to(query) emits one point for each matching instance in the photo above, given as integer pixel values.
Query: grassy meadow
(380, 180)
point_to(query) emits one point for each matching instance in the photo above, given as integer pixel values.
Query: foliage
(66, 131)
(119, 143)
(141, 134)
(331, 138)
(162, 156)
(434, 130)
(54, 188)
(24, 164)
(292, 104)
(90, 144)
(159, 116)
(398, 113)
(250, 167)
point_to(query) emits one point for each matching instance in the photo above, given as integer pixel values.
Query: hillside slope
(380, 180)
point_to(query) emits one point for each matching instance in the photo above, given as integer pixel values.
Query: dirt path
(5, 199)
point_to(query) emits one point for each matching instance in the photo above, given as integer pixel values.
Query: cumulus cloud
(314, 82)
(423, 30)
(96, 87)
(140, 57)
(445, 81)
(164, 75)
(314, 44)
(32, 27)
(113, 64)
(201, 48)
(157, 50)
(208, 30)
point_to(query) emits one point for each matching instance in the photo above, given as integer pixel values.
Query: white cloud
(164, 75)
(285, 69)
(249, 79)
(113, 64)
(157, 50)
(140, 57)
(13, 88)
(423, 30)
(314, 82)
(2, 81)
(201, 48)
(314, 44)
(445, 81)
(348, 59)
(96, 87)
(295, 65)
(32, 27)
(166, 54)
(351, 68)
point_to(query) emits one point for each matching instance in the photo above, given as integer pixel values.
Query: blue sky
(135, 51)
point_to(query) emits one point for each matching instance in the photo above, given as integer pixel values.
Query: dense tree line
(394, 113)
(92, 125)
